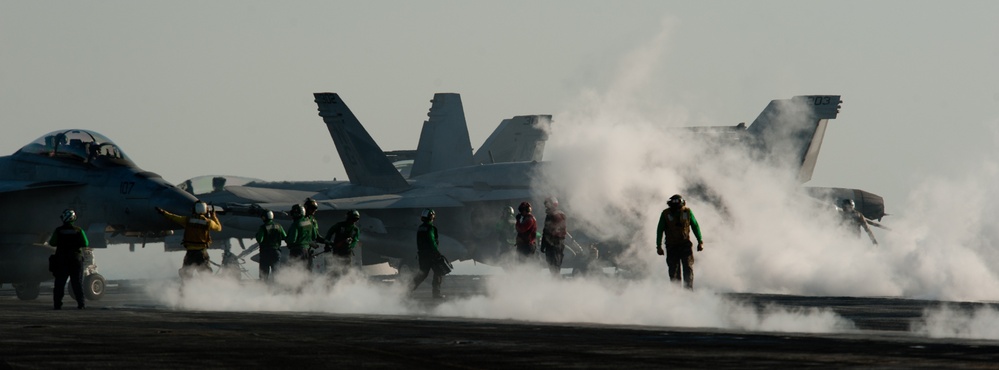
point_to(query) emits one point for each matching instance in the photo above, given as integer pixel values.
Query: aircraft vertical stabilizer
(363, 160)
(444, 142)
(793, 130)
(518, 139)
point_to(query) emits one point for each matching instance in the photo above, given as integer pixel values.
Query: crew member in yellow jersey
(197, 237)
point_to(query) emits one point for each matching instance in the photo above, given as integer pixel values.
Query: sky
(225, 87)
(191, 88)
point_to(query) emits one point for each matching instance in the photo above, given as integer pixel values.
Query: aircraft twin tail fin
(363, 160)
(793, 130)
(444, 142)
(517, 139)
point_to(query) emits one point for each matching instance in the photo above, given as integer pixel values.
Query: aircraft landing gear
(27, 291)
(93, 287)
(93, 283)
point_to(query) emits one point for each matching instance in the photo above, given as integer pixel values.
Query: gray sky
(190, 88)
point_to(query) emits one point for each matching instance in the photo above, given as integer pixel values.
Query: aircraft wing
(267, 195)
(15, 186)
(378, 202)
(393, 201)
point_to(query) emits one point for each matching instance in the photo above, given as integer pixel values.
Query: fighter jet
(85, 171)
(469, 199)
(469, 192)
(790, 133)
(444, 144)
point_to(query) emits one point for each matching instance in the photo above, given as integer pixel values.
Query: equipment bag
(443, 266)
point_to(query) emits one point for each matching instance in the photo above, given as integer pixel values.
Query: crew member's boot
(437, 286)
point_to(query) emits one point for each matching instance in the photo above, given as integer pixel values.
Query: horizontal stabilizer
(363, 160)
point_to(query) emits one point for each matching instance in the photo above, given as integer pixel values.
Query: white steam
(948, 322)
(615, 162)
(524, 294)
(616, 166)
(293, 290)
(532, 295)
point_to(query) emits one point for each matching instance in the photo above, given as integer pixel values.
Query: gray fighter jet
(790, 133)
(469, 198)
(470, 190)
(87, 172)
(443, 145)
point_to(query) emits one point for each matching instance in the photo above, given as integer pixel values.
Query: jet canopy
(202, 185)
(79, 145)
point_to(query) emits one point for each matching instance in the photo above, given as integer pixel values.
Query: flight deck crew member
(342, 238)
(675, 223)
(67, 262)
(527, 231)
(301, 235)
(269, 237)
(427, 252)
(197, 237)
(553, 236)
(311, 206)
(854, 221)
(505, 232)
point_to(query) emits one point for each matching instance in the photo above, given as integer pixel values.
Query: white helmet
(267, 216)
(551, 202)
(200, 208)
(428, 213)
(68, 216)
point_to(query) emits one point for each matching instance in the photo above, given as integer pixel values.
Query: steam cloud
(616, 163)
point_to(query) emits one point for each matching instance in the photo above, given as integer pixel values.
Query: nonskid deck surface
(129, 329)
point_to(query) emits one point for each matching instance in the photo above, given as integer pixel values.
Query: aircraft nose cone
(173, 200)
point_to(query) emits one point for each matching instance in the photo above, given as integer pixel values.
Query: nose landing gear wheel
(93, 287)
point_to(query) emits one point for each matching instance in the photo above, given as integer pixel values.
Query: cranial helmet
(848, 203)
(297, 211)
(353, 215)
(200, 208)
(676, 201)
(68, 216)
(524, 206)
(267, 216)
(551, 202)
(311, 205)
(508, 211)
(428, 213)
